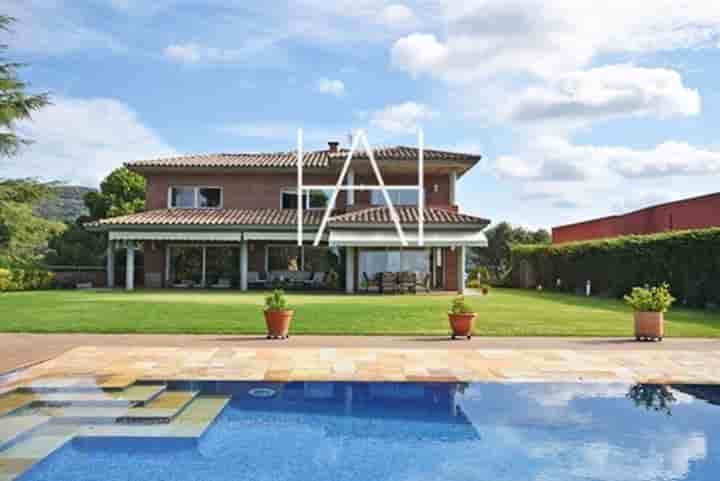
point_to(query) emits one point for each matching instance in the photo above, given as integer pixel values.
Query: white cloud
(418, 53)
(194, 53)
(556, 159)
(544, 38)
(330, 86)
(607, 92)
(401, 118)
(81, 140)
(398, 17)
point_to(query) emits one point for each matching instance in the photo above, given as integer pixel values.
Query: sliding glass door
(186, 265)
(203, 266)
(374, 261)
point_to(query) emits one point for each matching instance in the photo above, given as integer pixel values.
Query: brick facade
(257, 190)
(695, 213)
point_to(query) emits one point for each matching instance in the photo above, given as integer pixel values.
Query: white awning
(176, 236)
(280, 236)
(439, 238)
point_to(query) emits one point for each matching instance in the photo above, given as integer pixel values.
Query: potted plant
(277, 315)
(650, 305)
(462, 318)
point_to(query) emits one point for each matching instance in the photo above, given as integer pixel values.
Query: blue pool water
(425, 432)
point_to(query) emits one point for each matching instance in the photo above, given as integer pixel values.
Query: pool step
(161, 409)
(191, 422)
(79, 384)
(19, 457)
(137, 394)
(15, 400)
(13, 427)
(82, 414)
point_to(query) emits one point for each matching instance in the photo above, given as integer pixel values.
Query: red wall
(695, 213)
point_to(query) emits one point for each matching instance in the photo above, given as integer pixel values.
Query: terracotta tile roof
(188, 217)
(281, 217)
(407, 215)
(273, 159)
(313, 159)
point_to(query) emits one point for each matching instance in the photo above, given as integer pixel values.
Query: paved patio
(19, 350)
(120, 366)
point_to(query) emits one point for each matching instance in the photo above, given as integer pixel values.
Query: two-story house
(230, 220)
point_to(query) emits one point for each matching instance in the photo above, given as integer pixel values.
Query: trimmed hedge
(688, 260)
(25, 279)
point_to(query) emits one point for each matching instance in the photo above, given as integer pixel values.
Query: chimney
(333, 146)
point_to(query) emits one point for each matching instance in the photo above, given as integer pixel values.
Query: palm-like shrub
(276, 301)
(650, 299)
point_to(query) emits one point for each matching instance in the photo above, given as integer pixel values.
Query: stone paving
(110, 366)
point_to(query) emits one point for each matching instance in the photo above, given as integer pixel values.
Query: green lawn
(505, 312)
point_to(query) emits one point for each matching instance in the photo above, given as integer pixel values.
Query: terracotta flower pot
(649, 325)
(278, 323)
(462, 324)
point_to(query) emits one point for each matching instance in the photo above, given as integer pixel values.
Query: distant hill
(66, 205)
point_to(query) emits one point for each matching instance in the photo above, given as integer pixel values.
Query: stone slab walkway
(106, 364)
(19, 350)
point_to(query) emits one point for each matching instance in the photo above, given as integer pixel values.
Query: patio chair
(297, 279)
(423, 281)
(254, 280)
(316, 281)
(222, 283)
(371, 282)
(406, 281)
(388, 282)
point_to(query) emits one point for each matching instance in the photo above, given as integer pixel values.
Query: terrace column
(243, 266)
(130, 267)
(110, 266)
(460, 255)
(349, 270)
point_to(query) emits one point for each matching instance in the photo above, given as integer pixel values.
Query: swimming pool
(384, 431)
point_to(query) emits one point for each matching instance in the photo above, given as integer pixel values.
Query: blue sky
(580, 109)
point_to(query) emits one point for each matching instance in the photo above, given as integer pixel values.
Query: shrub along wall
(689, 261)
(24, 279)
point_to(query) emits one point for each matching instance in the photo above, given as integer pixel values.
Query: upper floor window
(195, 197)
(315, 199)
(397, 197)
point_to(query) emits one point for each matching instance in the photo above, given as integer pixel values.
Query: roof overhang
(387, 238)
(209, 236)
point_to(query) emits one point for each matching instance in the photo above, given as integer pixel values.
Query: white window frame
(293, 191)
(196, 196)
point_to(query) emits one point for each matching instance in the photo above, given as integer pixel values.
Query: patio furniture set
(396, 282)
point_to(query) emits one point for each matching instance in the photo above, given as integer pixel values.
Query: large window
(315, 199)
(316, 259)
(195, 197)
(208, 266)
(182, 197)
(186, 265)
(284, 258)
(397, 197)
(373, 261)
(306, 258)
